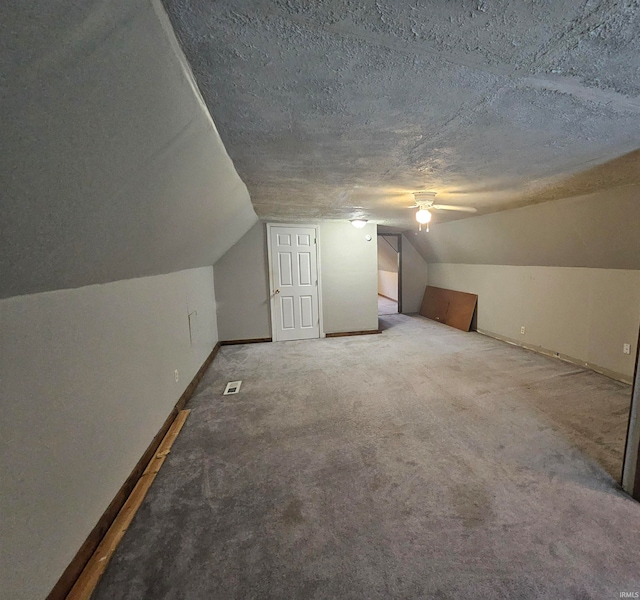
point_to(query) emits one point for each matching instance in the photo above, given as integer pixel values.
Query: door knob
(277, 292)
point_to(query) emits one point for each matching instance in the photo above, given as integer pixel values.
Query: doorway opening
(389, 273)
(631, 461)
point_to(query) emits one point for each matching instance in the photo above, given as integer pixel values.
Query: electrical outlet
(522, 330)
(177, 375)
(626, 348)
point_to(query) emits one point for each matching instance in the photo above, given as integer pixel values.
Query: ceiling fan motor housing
(424, 198)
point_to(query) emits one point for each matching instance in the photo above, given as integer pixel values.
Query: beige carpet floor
(420, 463)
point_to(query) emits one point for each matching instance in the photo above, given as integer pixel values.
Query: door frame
(272, 298)
(399, 238)
(631, 462)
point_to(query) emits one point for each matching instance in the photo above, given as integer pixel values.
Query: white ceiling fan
(425, 202)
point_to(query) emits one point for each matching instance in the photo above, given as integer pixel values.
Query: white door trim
(272, 301)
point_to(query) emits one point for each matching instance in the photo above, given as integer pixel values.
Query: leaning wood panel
(435, 304)
(461, 310)
(449, 307)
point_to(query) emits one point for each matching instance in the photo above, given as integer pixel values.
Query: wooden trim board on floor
(97, 564)
(558, 355)
(67, 580)
(346, 333)
(387, 297)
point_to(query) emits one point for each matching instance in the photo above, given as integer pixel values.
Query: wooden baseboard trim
(249, 341)
(346, 333)
(388, 298)
(71, 574)
(558, 355)
(95, 568)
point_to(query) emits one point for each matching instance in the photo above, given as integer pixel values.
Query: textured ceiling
(332, 109)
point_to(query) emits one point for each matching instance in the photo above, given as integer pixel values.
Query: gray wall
(349, 270)
(387, 254)
(414, 276)
(388, 267)
(566, 270)
(388, 284)
(349, 282)
(111, 167)
(583, 314)
(111, 171)
(242, 288)
(86, 381)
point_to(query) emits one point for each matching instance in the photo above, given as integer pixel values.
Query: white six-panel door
(294, 272)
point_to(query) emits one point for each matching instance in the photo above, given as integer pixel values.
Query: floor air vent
(233, 387)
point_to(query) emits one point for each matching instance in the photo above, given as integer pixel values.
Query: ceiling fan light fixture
(423, 216)
(358, 223)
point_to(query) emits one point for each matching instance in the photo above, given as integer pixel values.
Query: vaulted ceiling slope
(110, 165)
(338, 108)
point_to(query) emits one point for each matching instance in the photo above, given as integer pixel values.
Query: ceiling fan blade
(453, 207)
(414, 206)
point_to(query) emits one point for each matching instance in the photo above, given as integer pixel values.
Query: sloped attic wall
(111, 170)
(567, 271)
(111, 167)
